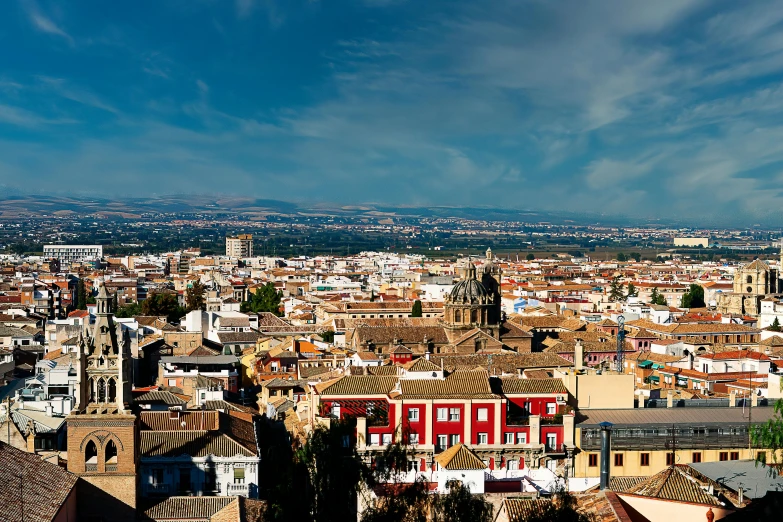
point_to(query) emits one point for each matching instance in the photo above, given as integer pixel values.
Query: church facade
(102, 431)
(753, 283)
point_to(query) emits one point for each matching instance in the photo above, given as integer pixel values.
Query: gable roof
(461, 384)
(513, 385)
(459, 457)
(673, 484)
(46, 485)
(193, 443)
(361, 385)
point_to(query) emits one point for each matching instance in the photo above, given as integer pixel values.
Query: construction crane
(620, 343)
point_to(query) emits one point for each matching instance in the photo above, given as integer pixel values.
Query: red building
(509, 422)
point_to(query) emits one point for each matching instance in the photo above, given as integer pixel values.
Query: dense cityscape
(174, 383)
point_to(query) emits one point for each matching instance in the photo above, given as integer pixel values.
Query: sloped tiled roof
(193, 443)
(160, 396)
(421, 365)
(673, 484)
(361, 385)
(163, 421)
(461, 384)
(520, 509)
(46, 486)
(188, 508)
(513, 385)
(459, 457)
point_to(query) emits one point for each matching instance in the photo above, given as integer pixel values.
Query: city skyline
(614, 107)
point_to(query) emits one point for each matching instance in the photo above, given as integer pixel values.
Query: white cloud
(44, 23)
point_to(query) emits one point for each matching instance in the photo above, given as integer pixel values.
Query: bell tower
(102, 431)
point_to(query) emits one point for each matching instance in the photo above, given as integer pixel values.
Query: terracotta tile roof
(163, 421)
(402, 334)
(673, 484)
(159, 396)
(193, 443)
(621, 484)
(775, 340)
(421, 365)
(383, 370)
(459, 457)
(46, 486)
(188, 508)
(501, 363)
(360, 385)
(513, 385)
(521, 509)
(462, 384)
(367, 356)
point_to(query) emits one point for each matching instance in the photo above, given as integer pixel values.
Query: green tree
(616, 290)
(632, 291)
(562, 508)
(129, 310)
(656, 298)
(81, 295)
(775, 326)
(161, 304)
(530, 257)
(194, 296)
(460, 505)
(694, 297)
(264, 299)
(416, 311)
(622, 257)
(636, 256)
(769, 436)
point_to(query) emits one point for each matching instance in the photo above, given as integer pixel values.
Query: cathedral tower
(102, 438)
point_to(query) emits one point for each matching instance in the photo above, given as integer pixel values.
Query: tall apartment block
(239, 246)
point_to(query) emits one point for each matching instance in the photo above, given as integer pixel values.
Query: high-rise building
(73, 253)
(102, 438)
(239, 246)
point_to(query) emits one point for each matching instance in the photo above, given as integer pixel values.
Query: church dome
(469, 291)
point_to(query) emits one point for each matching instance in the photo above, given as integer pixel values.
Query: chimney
(754, 398)
(741, 496)
(579, 355)
(669, 398)
(49, 410)
(732, 399)
(606, 447)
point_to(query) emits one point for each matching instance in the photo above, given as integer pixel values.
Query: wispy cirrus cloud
(43, 23)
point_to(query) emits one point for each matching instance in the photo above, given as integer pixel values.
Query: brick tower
(102, 438)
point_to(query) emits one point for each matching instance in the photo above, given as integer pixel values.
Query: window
(724, 455)
(184, 479)
(387, 439)
(696, 457)
(111, 453)
(91, 453)
(173, 382)
(669, 459)
(551, 408)
(644, 459)
(239, 475)
(375, 439)
(592, 460)
(442, 441)
(734, 455)
(618, 459)
(413, 438)
(157, 476)
(482, 438)
(509, 438)
(521, 438)
(481, 414)
(413, 414)
(453, 414)
(442, 414)
(512, 465)
(453, 440)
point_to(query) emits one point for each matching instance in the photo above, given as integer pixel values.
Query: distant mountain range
(27, 206)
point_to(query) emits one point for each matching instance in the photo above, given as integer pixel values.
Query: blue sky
(664, 108)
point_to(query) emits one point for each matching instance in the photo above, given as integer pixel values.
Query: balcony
(158, 489)
(90, 467)
(556, 420)
(237, 490)
(517, 420)
(111, 468)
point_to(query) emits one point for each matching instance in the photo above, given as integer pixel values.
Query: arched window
(101, 390)
(458, 316)
(750, 279)
(111, 452)
(91, 453)
(112, 390)
(91, 385)
(474, 316)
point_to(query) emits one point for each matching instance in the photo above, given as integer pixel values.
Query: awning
(645, 364)
(654, 378)
(658, 366)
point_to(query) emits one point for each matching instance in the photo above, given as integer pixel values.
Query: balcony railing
(664, 442)
(91, 467)
(237, 489)
(111, 467)
(517, 420)
(158, 489)
(557, 419)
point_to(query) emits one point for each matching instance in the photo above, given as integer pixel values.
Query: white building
(73, 253)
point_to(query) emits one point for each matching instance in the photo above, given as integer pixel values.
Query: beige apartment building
(239, 246)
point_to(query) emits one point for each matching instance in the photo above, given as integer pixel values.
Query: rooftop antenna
(620, 343)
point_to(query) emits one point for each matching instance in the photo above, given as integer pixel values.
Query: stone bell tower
(102, 431)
